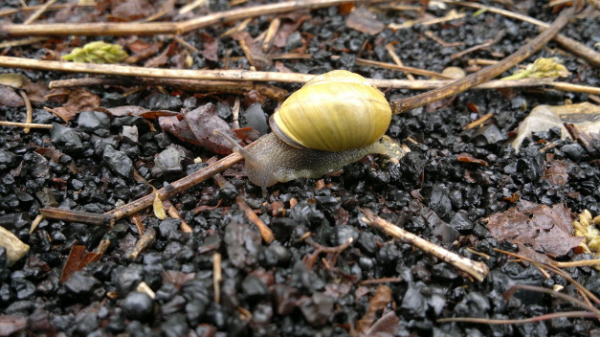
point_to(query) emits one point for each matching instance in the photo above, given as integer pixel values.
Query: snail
(335, 119)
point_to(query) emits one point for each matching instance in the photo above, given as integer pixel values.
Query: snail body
(335, 119)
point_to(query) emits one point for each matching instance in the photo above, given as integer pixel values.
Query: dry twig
(478, 270)
(488, 73)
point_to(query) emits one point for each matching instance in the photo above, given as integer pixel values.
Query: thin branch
(258, 76)
(476, 269)
(154, 28)
(26, 125)
(574, 47)
(485, 74)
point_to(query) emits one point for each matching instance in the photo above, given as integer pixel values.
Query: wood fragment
(478, 270)
(26, 125)
(479, 121)
(145, 240)
(390, 49)
(28, 109)
(217, 277)
(271, 32)
(106, 220)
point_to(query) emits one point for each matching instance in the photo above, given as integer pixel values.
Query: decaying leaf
(203, 121)
(383, 296)
(557, 173)
(364, 21)
(9, 98)
(585, 116)
(15, 248)
(547, 230)
(79, 100)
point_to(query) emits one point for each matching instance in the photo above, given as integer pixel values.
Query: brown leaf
(548, 230)
(77, 260)
(557, 173)
(9, 98)
(36, 91)
(203, 121)
(289, 24)
(383, 296)
(364, 21)
(132, 9)
(210, 47)
(79, 100)
(179, 129)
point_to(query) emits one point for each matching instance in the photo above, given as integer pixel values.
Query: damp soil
(285, 288)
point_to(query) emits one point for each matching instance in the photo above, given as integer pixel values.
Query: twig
(26, 125)
(145, 240)
(173, 213)
(244, 75)
(176, 187)
(571, 314)
(11, 11)
(381, 280)
(217, 277)
(77, 216)
(271, 32)
(479, 121)
(236, 87)
(23, 42)
(29, 110)
(476, 269)
(191, 6)
(39, 12)
(486, 44)
(567, 43)
(408, 70)
(154, 28)
(485, 74)
(264, 230)
(390, 49)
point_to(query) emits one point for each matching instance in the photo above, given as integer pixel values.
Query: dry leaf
(364, 21)
(77, 260)
(79, 100)
(548, 230)
(203, 121)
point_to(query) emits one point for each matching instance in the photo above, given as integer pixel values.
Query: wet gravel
(274, 290)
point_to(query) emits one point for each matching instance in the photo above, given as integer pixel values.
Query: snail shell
(333, 112)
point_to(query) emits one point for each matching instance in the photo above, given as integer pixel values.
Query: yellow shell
(333, 112)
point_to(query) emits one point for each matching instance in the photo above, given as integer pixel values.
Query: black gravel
(275, 290)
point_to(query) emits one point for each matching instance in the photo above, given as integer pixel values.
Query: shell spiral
(333, 112)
